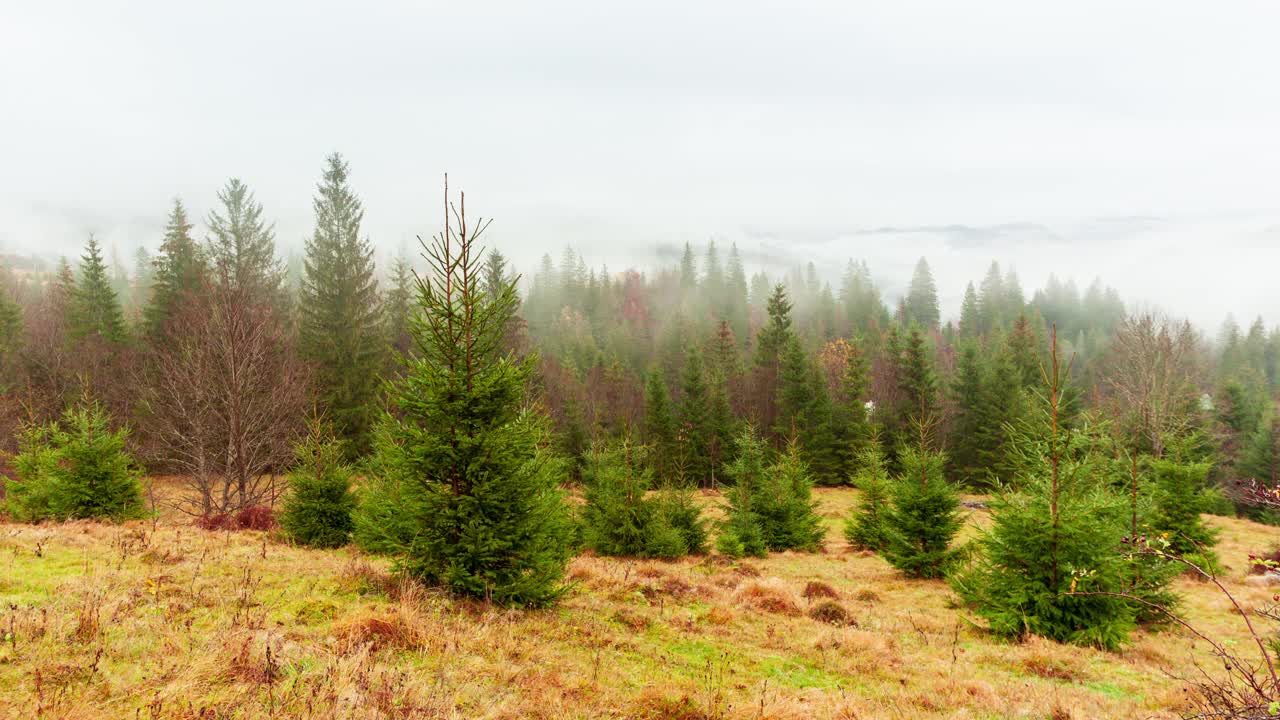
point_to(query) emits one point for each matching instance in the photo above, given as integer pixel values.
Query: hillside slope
(160, 620)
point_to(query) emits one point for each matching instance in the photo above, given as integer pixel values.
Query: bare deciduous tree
(1153, 375)
(227, 399)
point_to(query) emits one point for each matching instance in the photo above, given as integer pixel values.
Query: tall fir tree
(241, 245)
(341, 325)
(398, 308)
(970, 314)
(94, 309)
(178, 272)
(660, 427)
(922, 297)
(695, 433)
(467, 498)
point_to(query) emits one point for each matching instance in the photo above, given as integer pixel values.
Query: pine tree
(788, 515)
(850, 420)
(916, 386)
(1054, 541)
(970, 314)
(1001, 405)
(770, 508)
(178, 272)
(966, 449)
(398, 308)
(94, 309)
(740, 532)
(923, 517)
(496, 274)
(317, 510)
(468, 500)
(694, 434)
(340, 332)
(865, 528)
(1180, 499)
(735, 310)
(660, 426)
(620, 518)
(241, 245)
(75, 468)
(10, 329)
(922, 298)
(991, 300)
(771, 344)
(688, 270)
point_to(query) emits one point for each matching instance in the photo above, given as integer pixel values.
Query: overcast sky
(1133, 140)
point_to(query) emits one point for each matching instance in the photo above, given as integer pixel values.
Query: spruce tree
(1180, 499)
(10, 329)
(865, 528)
(468, 500)
(922, 298)
(178, 272)
(340, 329)
(694, 433)
(94, 309)
(966, 444)
(398, 307)
(770, 505)
(660, 427)
(241, 245)
(970, 314)
(923, 517)
(1054, 541)
(76, 468)
(621, 518)
(741, 533)
(317, 511)
(735, 310)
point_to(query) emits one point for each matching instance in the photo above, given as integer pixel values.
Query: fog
(1133, 141)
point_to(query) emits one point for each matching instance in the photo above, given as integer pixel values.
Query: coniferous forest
(478, 424)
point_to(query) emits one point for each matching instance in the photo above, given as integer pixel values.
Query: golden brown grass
(160, 620)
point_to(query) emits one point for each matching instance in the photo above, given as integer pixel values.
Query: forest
(480, 425)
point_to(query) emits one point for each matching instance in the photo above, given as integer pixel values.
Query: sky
(1135, 141)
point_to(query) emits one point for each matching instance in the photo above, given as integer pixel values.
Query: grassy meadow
(157, 619)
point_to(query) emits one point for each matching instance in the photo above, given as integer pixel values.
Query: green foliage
(1181, 496)
(341, 324)
(469, 499)
(317, 511)
(94, 309)
(923, 517)
(1055, 538)
(922, 297)
(695, 434)
(177, 272)
(660, 426)
(770, 507)
(621, 517)
(75, 468)
(242, 246)
(865, 528)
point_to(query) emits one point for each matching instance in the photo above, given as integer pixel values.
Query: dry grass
(163, 621)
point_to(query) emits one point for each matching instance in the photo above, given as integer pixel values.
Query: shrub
(317, 511)
(75, 468)
(620, 518)
(254, 517)
(769, 509)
